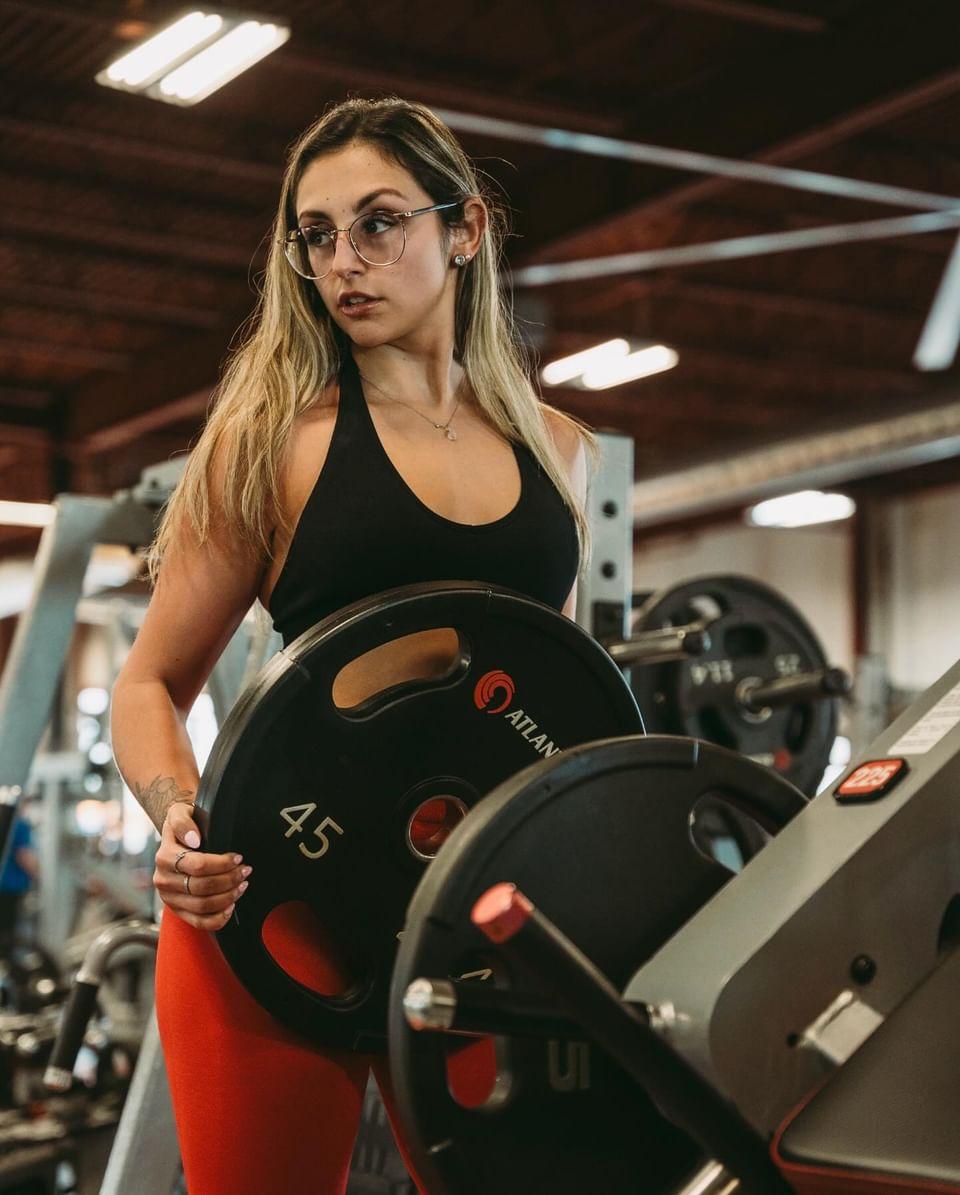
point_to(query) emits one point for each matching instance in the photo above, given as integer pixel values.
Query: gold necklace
(441, 427)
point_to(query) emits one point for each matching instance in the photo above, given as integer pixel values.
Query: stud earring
(459, 261)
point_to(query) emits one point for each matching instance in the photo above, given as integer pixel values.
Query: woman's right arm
(201, 596)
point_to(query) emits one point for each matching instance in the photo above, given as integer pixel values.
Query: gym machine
(809, 1002)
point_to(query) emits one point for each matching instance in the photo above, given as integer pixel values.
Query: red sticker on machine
(872, 779)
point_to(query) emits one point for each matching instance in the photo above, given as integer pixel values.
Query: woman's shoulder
(307, 448)
(568, 434)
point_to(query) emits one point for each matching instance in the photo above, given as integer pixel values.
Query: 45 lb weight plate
(340, 810)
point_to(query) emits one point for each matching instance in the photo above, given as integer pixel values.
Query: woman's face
(415, 293)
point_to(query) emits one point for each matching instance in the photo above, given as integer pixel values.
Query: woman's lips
(357, 309)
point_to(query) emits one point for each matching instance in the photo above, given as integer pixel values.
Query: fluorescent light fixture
(567, 368)
(194, 56)
(801, 509)
(224, 60)
(157, 54)
(614, 372)
(25, 514)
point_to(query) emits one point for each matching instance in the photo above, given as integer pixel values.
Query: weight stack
(377, 1167)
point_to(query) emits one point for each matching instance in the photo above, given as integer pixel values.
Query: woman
(376, 429)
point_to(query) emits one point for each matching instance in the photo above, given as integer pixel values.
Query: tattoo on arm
(157, 797)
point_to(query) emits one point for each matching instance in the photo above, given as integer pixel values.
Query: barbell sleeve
(661, 646)
(524, 934)
(450, 1006)
(786, 690)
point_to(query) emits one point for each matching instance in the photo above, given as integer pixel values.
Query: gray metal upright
(45, 627)
(605, 592)
(145, 1157)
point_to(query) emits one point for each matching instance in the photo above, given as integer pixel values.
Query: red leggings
(258, 1111)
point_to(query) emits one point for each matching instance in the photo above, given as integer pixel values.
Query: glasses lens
(378, 238)
(311, 253)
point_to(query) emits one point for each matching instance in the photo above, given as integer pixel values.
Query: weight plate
(338, 811)
(755, 633)
(599, 840)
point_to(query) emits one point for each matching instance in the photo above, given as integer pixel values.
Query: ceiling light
(567, 368)
(25, 514)
(224, 60)
(157, 54)
(801, 509)
(194, 56)
(614, 372)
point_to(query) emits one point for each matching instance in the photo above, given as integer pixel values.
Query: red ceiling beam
(780, 20)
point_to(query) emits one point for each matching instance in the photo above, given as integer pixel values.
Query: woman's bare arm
(201, 596)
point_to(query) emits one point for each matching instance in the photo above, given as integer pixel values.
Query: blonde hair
(294, 348)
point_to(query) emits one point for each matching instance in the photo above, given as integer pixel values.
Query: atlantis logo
(486, 690)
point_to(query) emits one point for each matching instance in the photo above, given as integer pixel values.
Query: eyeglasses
(378, 238)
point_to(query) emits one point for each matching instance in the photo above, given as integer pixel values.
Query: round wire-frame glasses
(297, 242)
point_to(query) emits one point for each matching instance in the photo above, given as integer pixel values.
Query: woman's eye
(317, 237)
(379, 223)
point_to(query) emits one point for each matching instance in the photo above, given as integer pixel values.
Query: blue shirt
(14, 878)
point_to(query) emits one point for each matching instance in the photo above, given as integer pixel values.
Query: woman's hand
(200, 888)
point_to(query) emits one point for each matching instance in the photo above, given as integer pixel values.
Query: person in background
(22, 868)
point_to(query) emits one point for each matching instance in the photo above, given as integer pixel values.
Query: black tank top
(363, 531)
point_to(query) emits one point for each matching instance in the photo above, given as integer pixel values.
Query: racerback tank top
(363, 531)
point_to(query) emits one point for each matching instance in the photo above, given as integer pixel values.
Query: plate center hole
(432, 823)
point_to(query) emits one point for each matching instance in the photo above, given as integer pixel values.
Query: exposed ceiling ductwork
(808, 462)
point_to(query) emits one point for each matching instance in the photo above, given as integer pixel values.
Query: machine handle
(76, 1016)
(524, 934)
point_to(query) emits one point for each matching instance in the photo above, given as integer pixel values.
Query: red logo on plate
(872, 779)
(487, 686)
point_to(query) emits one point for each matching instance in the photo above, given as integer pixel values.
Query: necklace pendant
(451, 434)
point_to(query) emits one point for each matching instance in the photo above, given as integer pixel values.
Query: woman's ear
(469, 231)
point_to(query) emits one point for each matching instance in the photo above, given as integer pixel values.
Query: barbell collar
(788, 690)
(661, 646)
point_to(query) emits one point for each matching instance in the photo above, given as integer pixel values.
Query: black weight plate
(754, 632)
(599, 839)
(318, 800)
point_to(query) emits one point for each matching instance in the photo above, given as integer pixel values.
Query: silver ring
(186, 884)
(176, 863)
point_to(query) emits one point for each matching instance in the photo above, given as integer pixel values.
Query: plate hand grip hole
(387, 670)
(300, 945)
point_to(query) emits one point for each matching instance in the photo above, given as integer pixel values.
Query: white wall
(922, 630)
(812, 567)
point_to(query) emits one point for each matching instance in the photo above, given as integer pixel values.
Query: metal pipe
(938, 342)
(749, 246)
(697, 163)
(808, 462)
